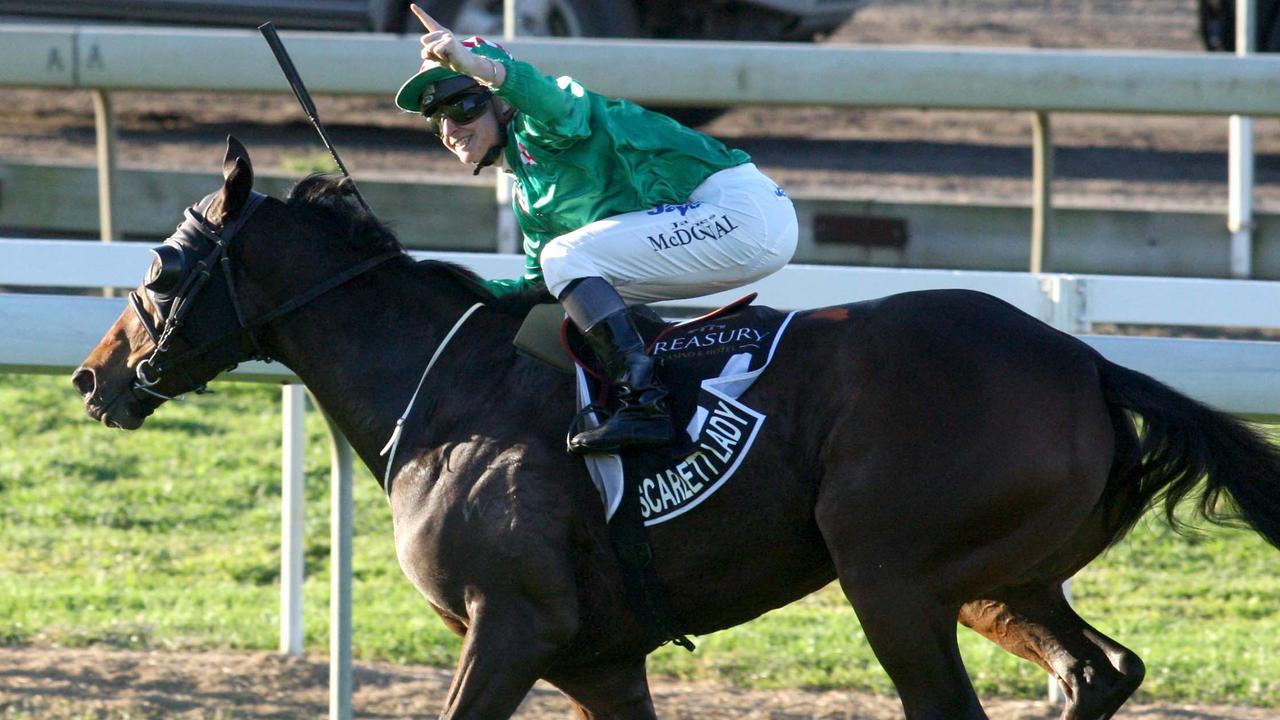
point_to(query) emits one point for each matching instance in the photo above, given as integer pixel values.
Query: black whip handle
(268, 30)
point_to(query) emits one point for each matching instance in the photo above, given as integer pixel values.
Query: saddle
(547, 335)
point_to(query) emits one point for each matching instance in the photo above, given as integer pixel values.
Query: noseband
(212, 247)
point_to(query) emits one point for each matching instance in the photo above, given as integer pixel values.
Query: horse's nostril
(84, 381)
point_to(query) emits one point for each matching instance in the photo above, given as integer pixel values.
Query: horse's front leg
(508, 645)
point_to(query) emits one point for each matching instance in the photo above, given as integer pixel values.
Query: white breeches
(737, 227)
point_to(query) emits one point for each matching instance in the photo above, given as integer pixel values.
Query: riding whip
(268, 30)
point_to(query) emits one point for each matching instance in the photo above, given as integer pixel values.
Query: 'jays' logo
(682, 209)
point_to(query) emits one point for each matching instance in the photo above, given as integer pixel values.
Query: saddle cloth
(706, 364)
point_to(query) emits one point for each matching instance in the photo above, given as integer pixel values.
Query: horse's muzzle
(123, 410)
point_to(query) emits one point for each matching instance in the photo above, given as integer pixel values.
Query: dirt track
(1153, 161)
(84, 683)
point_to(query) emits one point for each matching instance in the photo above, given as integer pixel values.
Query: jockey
(617, 205)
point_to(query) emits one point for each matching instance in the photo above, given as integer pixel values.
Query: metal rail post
(1240, 160)
(342, 512)
(292, 502)
(104, 122)
(1042, 182)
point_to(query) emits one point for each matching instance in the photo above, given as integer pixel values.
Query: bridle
(209, 246)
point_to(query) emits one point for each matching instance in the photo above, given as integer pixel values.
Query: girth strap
(644, 590)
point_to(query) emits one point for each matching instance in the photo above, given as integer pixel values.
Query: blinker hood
(191, 242)
(167, 269)
(173, 258)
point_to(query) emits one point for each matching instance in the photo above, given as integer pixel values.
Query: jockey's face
(470, 141)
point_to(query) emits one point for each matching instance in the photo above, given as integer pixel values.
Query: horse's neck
(361, 352)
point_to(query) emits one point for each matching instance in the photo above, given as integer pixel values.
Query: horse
(942, 455)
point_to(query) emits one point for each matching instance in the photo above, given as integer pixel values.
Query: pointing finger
(435, 51)
(432, 37)
(427, 21)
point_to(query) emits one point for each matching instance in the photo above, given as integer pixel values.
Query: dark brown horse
(942, 454)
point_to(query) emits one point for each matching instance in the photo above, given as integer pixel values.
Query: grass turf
(169, 538)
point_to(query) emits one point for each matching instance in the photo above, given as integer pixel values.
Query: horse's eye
(166, 270)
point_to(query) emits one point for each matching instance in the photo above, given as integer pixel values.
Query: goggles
(463, 109)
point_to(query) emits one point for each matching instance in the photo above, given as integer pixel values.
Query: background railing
(693, 73)
(1073, 303)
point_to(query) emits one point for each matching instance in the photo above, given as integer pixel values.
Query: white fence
(692, 73)
(670, 72)
(53, 333)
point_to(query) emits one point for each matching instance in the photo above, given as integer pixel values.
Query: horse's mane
(332, 200)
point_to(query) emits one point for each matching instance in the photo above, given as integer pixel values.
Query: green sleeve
(502, 288)
(532, 274)
(554, 113)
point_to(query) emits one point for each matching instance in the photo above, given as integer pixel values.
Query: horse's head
(239, 262)
(182, 325)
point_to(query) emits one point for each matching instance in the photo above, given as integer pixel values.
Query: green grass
(307, 161)
(169, 538)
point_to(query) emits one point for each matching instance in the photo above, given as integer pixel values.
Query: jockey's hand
(442, 46)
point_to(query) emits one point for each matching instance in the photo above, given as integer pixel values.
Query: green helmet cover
(430, 76)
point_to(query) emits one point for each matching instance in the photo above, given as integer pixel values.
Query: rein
(285, 308)
(150, 369)
(394, 442)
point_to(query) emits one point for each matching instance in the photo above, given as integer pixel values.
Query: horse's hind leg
(1096, 673)
(914, 637)
(910, 627)
(616, 691)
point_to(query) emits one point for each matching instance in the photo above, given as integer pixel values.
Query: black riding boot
(641, 417)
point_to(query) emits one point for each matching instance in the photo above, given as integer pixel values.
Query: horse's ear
(237, 180)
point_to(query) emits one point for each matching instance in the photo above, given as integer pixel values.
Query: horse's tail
(1179, 442)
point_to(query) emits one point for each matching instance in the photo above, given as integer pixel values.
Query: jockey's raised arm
(618, 206)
